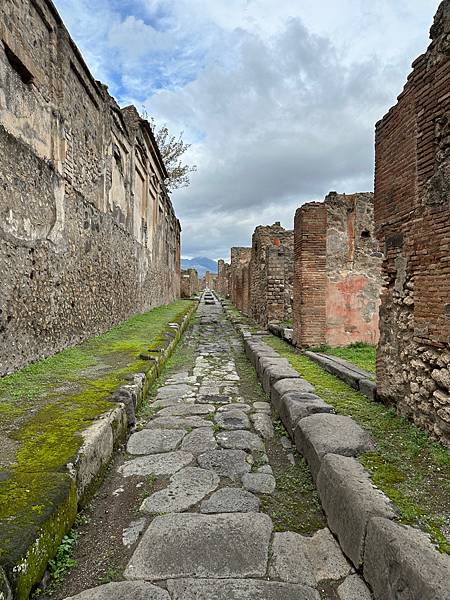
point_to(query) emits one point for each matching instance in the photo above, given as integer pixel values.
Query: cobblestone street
(202, 534)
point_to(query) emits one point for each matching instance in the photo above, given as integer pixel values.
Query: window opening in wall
(365, 234)
(25, 75)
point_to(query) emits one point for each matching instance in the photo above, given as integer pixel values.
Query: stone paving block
(235, 406)
(262, 422)
(186, 489)
(349, 499)
(289, 561)
(235, 589)
(173, 401)
(154, 441)
(230, 500)
(401, 562)
(177, 389)
(295, 406)
(232, 419)
(199, 440)
(326, 557)
(157, 464)
(284, 386)
(213, 398)
(262, 407)
(259, 483)
(322, 434)
(178, 422)
(182, 410)
(354, 588)
(227, 463)
(274, 373)
(197, 545)
(240, 440)
(123, 590)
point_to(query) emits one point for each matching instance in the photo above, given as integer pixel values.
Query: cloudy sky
(278, 97)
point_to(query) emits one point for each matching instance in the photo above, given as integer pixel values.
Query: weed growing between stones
(411, 469)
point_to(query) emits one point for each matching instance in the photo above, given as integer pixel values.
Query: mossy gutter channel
(39, 494)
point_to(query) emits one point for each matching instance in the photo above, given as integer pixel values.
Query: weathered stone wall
(208, 281)
(88, 235)
(189, 283)
(240, 278)
(223, 278)
(272, 274)
(412, 212)
(337, 272)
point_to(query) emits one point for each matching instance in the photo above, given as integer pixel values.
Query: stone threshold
(75, 484)
(395, 560)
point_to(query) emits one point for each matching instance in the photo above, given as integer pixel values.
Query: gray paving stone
(265, 469)
(229, 500)
(181, 410)
(227, 463)
(173, 401)
(197, 545)
(354, 588)
(295, 406)
(232, 419)
(289, 561)
(240, 440)
(178, 389)
(235, 406)
(262, 407)
(288, 385)
(349, 499)
(186, 489)
(322, 434)
(266, 360)
(157, 464)
(235, 589)
(262, 422)
(154, 441)
(326, 557)
(259, 483)
(401, 562)
(178, 422)
(131, 533)
(214, 399)
(274, 373)
(121, 590)
(199, 440)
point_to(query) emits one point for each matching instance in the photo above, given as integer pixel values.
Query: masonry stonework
(189, 283)
(337, 272)
(240, 278)
(223, 278)
(412, 212)
(272, 274)
(88, 235)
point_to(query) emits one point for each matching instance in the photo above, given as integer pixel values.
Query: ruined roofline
(332, 196)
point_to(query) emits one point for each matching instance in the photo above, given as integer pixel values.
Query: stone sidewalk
(207, 539)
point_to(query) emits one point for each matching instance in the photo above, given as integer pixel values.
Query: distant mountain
(200, 263)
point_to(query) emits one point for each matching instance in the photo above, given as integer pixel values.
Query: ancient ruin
(190, 284)
(223, 278)
(240, 278)
(337, 272)
(412, 213)
(88, 234)
(272, 274)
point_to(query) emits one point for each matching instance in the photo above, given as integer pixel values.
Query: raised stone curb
(24, 567)
(396, 560)
(352, 375)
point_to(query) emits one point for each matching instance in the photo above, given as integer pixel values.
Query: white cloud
(279, 98)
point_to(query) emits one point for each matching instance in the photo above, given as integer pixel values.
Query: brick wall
(337, 272)
(189, 283)
(223, 278)
(88, 234)
(412, 212)
(240, 278)
(272, 274)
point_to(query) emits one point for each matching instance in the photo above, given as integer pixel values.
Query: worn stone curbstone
(274, 373)
(295, 406)
(134, 590)
(284, 386)
(322, 434)
(349, 499)
(401, 562)
(265, 362)
(368, 388)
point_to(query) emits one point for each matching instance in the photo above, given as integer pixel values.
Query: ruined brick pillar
(271, 274)
(223, 275)
(337, 272)
(412, 212)
(240, 278)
